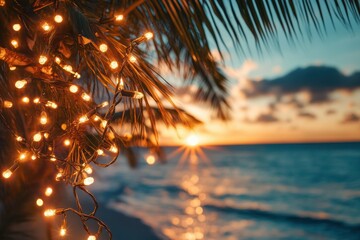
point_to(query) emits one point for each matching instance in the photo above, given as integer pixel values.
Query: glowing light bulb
(7, 173)
(58, 176)
(39, 202)
(77, 75)
(15, 43)
(67, 142)
(46, 27)
(149, 35)
(74, 88)
(113, 149)
(91, 237)
(100, 152)
(83, 119)
(19, 139)
(88, 181)
(132, 58)
(88, 169)
(46, 135)
(57, 60)
(63, 126)
(12, 68)
(37, 137)
(150, 160)
(62, 231)
(42, 59)
(114, 64)
(68, 68)
(51, 104)
(36, 100)
(58, 18)
(104, 104)
(96, 118)
(22, 156)
(138, 95)
(25, 100)
(48, 191)
(2, 3)
(43, 118)
(103, 47)
(33, 157)
(8, 104)
(16, 27)
(20, 83)
(119, 17)
(53, 158)
(49, 212)
(86, 97)
(103, 123)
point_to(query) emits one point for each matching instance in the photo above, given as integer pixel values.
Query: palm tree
(62, 59)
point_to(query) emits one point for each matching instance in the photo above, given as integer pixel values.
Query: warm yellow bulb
(119, 17)
(86, 97)
(138, 95)
(53, 158)
(42, 59)
(58, 18)
(2, 3)
(68, 68)
(74, 88)
(63, 126)
(91, 237)
(96, 118)
(46, 27)
(83, 119)
(8, 104)
(103, 47)
(103, 123)
(104, 104)
(57, 60)
(114, 64)
(46, 135)
(49, 212)
(39, 202)
(51, 104)
(37, 137)
(58, 176)
(113, 149)
(43, 118)
(33, 157)
(25, 99)
(62, 231)
(36, 100)
(19, 139)
(7, 173)
(48, 191)
(12, 68)
(20, 83)
(22, 156)
(150, 160)
(88, 181)
(100, 151)
(67, 142)
(15, 43)
(132, 58)
(16, 27)
(149, 35)
(88, 169)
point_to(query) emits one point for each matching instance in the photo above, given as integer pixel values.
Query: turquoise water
(289, 191)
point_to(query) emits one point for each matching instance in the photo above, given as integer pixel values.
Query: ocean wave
(285, 217)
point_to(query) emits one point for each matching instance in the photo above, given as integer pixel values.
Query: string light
(48, 191)
(20, 83)
(83, 119)
(57, 60)
(114, 64)
(132, 59)
(100, 152)
(58, 18)
(49, 212)
(25, 100)
(15, 43)
(42, 59)
(113, 149)
(86, 97)
(51, 104)
(46, 135)
(103, 47)
(39, 202)
(52, 158)
(74, 88)
(37, 137)
(16, 27)
(103, 123)
(19, 139)
(149, 35)
(46, 27)
(119, 17)
(33, 157)
(2, 3)
(22, 156)
(43, 118)
(88, 181)
(12, 68)
(8, 104)
(91, 237)
(67, 142)
(58, 176)
(7, 173)
(150, 160)
(36, 100)
(88, 169)
(68, 68)
(62, 231)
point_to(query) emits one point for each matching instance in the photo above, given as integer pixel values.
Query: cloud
(351, 118)
(307, 115)
(264, 118)
(330, 112)
(277, 69)
(317, 81)
(242, 71)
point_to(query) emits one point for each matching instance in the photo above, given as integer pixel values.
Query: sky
(307, 92)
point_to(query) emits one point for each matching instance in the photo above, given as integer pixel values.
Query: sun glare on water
(192, 140)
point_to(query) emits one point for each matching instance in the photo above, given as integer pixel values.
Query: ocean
(278, 191)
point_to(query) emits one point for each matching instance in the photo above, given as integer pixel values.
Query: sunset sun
(192, 140)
